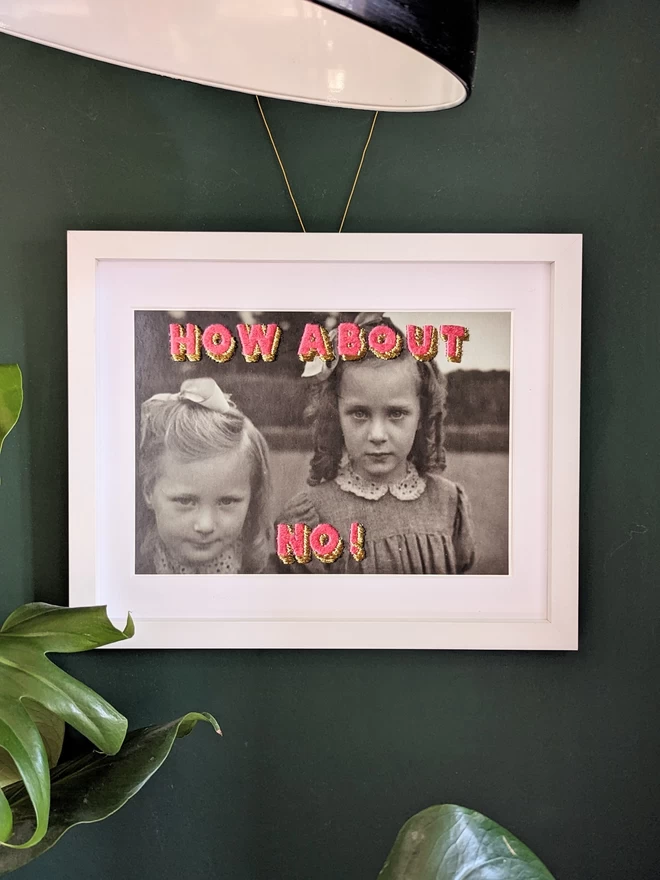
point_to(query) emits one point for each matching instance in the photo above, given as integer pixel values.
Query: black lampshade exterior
(443, 30)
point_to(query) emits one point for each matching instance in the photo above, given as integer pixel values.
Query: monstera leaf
(35, 694)
(93, 786)
(11, 398)
(51, 728)
(448, 843)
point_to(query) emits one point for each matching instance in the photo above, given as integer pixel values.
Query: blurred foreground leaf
(11, 398)
(94, 786)
(35, 693)
(450, 843)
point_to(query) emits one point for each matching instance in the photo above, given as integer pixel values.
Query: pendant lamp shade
(368, 54)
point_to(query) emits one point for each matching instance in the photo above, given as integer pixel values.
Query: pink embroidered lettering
(422, 341)
(454, 336)
(315, 342)
(293, 543)
(185, 344)
(259, 340)
(218, 343)
(351, 342)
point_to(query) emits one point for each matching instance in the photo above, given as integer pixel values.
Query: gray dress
(431, 534)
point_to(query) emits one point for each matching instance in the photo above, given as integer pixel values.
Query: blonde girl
(204, 475)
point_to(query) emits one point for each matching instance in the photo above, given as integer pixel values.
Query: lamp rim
(402, 38)
(263, 93)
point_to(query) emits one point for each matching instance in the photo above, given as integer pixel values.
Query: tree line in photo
(477, 408)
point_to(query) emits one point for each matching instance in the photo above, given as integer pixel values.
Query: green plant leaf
(11, 398)
(51, 729)
(448, 842)
(29, 679)
(94, 786)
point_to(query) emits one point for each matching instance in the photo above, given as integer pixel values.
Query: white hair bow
(205, 392)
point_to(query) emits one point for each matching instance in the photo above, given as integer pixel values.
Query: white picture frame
(534, 277)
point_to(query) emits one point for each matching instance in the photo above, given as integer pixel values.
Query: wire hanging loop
(286, 179)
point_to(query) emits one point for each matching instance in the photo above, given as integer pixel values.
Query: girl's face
(200, 506)
(379, 411)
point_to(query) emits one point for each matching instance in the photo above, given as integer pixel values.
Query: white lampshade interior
(290, 49)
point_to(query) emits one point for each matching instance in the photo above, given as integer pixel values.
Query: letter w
(259, 340)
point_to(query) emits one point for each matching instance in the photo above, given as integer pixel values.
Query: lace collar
(410, 488)
(227, 562)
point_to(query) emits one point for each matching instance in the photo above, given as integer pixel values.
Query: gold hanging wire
(286, 179)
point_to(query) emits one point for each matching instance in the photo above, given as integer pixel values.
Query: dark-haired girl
(378, 460)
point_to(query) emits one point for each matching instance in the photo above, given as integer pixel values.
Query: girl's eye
(360, 414)
(227, 502)
(397, 414)
(184, 501)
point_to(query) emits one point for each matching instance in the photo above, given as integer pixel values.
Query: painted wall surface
(326, 754)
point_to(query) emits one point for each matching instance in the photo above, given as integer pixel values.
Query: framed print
(250, 413)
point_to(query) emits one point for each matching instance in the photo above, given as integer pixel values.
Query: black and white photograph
(403, 461)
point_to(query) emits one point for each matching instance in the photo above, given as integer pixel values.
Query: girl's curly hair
(428, 449)
(192, 432)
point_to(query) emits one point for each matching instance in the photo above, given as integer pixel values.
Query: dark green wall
(327, 753)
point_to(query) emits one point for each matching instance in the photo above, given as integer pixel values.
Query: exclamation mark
(357, 542)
